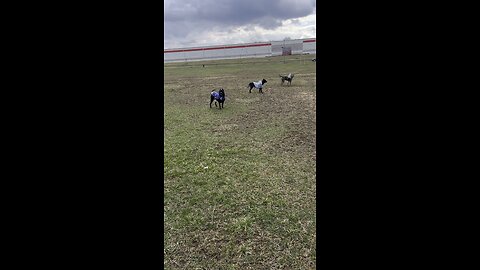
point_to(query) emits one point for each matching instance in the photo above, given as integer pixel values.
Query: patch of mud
(173, 87)
(224, 127)
(221, 77)
(308, 98)
(247, 100)
(306, 74)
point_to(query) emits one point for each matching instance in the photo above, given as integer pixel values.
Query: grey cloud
(185, 18)
(234, 12)
(295, 21)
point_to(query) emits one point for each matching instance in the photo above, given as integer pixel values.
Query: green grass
(240, 182)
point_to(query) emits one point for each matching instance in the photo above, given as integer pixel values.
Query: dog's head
(264, 81)
(221, 92)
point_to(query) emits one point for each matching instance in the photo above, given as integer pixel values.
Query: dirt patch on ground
(219, 77)
(306, 74)
(289, 115)
(308, 98)
(247, 100)
(224, 127)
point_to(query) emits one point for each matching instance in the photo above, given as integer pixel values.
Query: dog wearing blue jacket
(217, 97)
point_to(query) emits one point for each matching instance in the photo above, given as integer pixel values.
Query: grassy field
(240, 182)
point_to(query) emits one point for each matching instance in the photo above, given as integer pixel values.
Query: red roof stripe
(311, 40)
(218, 48)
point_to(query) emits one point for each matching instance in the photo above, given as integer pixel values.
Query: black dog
(258, 85)
(288, 78)
(217, 97)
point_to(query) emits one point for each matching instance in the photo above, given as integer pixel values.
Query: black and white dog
(217, 97)
(258, 85)
(287, 78)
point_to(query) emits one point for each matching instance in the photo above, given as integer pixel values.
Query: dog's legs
(211, 100)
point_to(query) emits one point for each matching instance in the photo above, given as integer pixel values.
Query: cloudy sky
(191, 23)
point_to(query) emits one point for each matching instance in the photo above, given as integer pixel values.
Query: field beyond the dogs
(240, 182)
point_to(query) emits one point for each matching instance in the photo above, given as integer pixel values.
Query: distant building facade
(246, 50)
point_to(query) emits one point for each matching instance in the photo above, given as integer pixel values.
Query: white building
(246, 50)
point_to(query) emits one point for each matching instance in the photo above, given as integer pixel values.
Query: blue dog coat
(217, 96)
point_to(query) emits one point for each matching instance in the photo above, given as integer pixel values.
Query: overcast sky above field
(191, 23)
